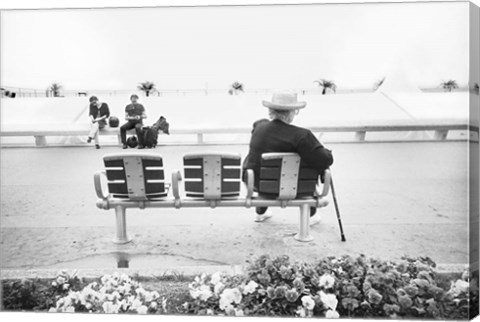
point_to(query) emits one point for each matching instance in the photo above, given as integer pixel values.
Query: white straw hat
(284, 100)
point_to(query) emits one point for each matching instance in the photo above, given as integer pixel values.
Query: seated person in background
(99, 112)
(278, 135)
(134, 114)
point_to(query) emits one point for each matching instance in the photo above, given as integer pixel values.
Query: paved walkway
(395, 199)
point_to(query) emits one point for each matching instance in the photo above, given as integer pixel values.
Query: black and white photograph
(212, 159)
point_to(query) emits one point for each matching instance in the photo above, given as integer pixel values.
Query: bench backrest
(135, 176)
(212, 176)
(285, 177)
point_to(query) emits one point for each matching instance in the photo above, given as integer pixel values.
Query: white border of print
(45, 4)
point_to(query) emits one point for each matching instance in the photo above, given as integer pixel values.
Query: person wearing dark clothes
(99, 113)
(134, 114)
(279, 135)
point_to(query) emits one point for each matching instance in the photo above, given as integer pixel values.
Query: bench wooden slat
(231, 173)
(231, 161)
(115, 174)
(152, 163)
(157, 187)
(193, 161)
(198, 173)
(231, 187)
(208, 175)
(193, 173)
(113, 162)
(154, 174)
(194, 186)
(117, 188)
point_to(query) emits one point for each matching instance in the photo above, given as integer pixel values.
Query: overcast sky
(271, 46)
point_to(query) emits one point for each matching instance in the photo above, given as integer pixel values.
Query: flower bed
(332, 288)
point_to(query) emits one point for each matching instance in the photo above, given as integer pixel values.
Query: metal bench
(210, 180)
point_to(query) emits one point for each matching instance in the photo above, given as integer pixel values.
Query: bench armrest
(326, 184)
(97, 180)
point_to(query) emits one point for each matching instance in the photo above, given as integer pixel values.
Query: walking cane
(337, 210)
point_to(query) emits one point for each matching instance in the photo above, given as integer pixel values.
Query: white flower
(61, 280)
(462, 286)
(153, 305)
(52, 310)
(54, 284)
(218, 287)
(250, 287)
(205, 292)
(230, 310)
(329, 300)
(239, 312)
(124, 305)
(155, 295)
(140, 291)
(70, 309)
(116, 295)
(124, 278)
(327, 281)
(66, 286)
(148, 297)
(109, 307)
(301, 312)
(229, 296)
(136, 304)
(330, 314)
(142, 309)
(104, 279)
(459, 287)
(88, 306)
(216, 278)
(308, 302)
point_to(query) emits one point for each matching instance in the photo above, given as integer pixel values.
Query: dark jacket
(100, 111)
(277, 136)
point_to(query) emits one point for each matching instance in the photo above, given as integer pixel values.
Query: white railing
(360, 132)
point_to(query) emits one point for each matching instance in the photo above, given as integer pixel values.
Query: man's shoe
(265, 216)
(97, 146)
(89, 140)
(315, 219)
(125, 146)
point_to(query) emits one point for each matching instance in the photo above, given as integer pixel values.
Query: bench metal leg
(121, 220)
(304, 231)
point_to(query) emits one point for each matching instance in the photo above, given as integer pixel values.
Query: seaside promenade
(395, 199)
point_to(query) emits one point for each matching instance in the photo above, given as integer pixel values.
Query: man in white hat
(278, 135)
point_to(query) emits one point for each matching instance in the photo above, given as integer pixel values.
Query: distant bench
(440, 131)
